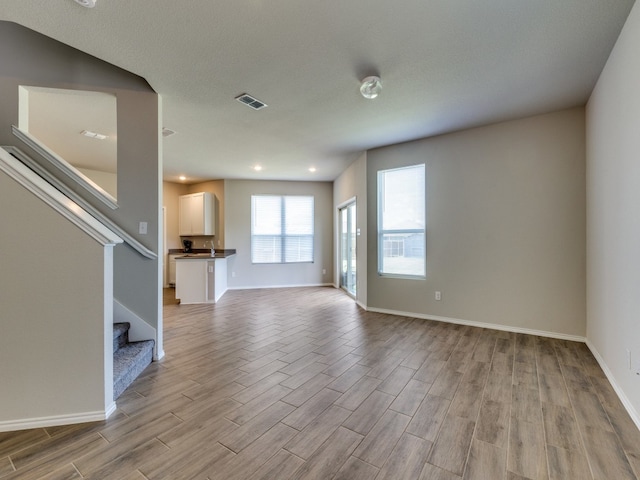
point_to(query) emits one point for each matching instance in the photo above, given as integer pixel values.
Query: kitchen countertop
(201, 253)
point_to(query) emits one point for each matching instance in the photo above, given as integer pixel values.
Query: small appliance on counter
(187, 244)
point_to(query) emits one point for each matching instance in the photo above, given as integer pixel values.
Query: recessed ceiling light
(182, 178)
(257, 168)
(312, 169)
(90, 134)
(86, 3)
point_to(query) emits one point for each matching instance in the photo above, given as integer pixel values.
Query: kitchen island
(200, 277)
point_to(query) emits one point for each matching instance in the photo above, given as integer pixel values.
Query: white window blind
(401, 221)
(281, 228)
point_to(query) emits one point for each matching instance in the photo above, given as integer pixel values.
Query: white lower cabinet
(202, 280)
(172, 268)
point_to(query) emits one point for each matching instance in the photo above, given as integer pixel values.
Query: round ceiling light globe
(371, 87)
(86, 3)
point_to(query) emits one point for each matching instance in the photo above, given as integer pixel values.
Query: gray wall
(29, 58)
(352, 183)
(613, 212)
(238, 235)
(505, 225)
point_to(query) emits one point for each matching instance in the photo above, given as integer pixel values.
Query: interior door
(348, 274)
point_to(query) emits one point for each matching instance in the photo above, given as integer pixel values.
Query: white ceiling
(445, 64)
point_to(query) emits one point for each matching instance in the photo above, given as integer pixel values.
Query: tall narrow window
(281, 229)
(401, 221)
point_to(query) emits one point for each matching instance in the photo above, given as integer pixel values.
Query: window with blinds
(281, 228)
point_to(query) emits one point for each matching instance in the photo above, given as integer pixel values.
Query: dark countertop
(201, 253)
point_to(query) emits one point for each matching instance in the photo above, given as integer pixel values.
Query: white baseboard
(257, 287)
(55, 420)
(621, 395)
(471, 323)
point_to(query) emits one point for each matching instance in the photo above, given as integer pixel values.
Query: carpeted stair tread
(129, 361)
(120, 334)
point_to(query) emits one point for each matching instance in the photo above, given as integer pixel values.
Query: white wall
(613, 214)
(505, 225)
(238, 235)
(352, 183)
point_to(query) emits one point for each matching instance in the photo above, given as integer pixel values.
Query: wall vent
(251, 101)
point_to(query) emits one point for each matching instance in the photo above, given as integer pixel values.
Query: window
(401, 221)
(281, 229)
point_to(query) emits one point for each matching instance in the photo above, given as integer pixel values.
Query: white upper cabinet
(197, 214)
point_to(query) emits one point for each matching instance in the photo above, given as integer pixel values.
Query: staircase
(129, 358)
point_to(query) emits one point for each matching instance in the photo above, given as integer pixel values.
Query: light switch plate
(142, 228)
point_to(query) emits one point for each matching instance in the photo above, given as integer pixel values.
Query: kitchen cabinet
(172, 268)
(196, 214)
(200, 279)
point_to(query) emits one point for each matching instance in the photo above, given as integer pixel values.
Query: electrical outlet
(324, 271)
(233, 274)
(438, 296)
(142, 228)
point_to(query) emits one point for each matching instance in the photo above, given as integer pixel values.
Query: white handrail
(53, 182)
(65, 167)
(56, 200)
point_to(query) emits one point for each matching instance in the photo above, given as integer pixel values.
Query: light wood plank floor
(302, 384)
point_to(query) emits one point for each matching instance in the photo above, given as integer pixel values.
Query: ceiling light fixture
(371, 87)
(90, 134)
(182, 178)
(257, 168)
(86, 3)
(312, 169)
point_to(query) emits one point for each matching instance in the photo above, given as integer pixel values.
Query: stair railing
(62, 187)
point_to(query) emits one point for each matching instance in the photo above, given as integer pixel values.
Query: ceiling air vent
(251, 101)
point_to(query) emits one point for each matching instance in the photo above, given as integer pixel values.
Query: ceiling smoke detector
(167, 132)
(86, 3)
(371, 87)
(250, 101)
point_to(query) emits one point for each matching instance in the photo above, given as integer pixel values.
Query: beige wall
(505, 225)
(613, 213)
(52, 353)
(171, 192)
(56, 347)
(238, 235)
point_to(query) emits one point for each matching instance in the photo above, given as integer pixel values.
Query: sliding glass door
(348, 248)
